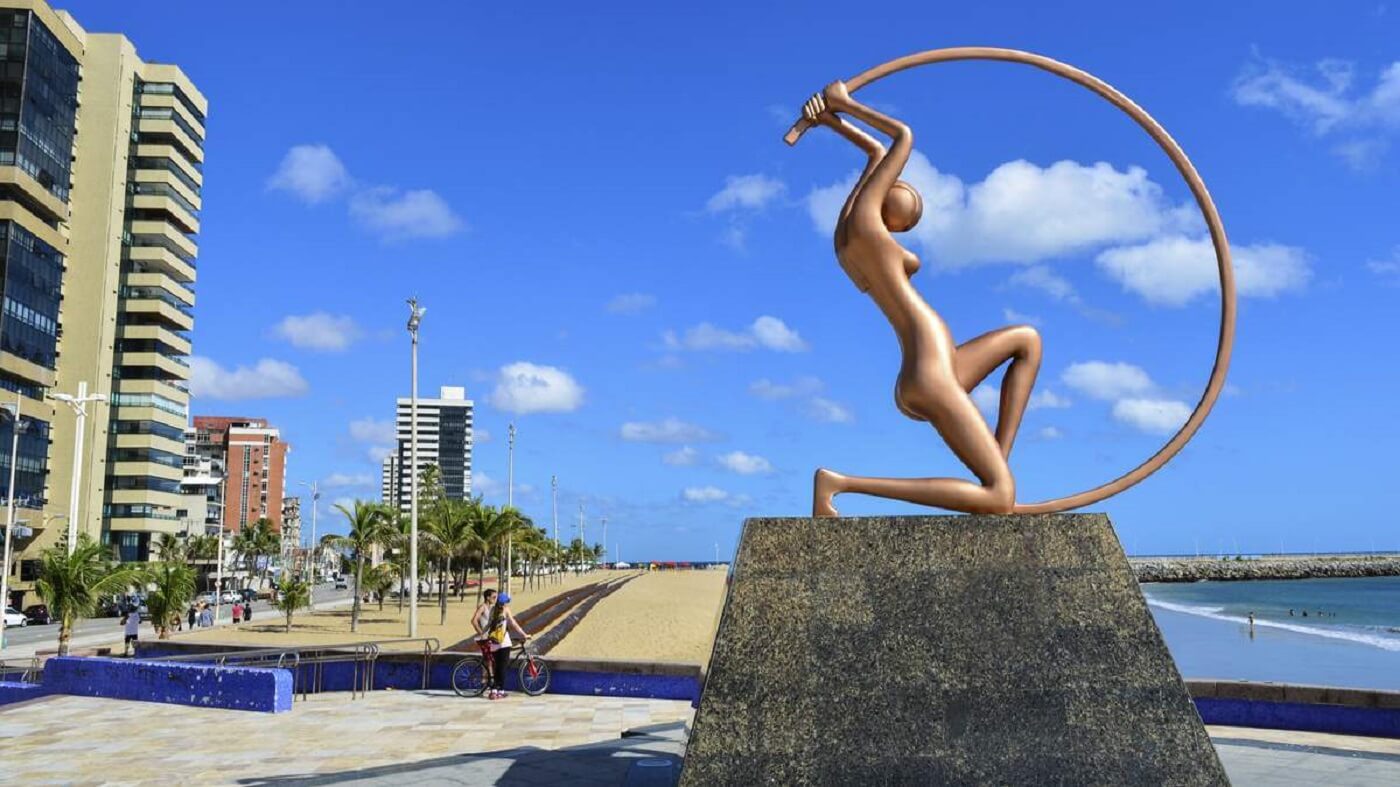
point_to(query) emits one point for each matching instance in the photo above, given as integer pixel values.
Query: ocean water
(1349, 637)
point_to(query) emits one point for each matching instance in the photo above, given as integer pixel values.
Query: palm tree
(368, 527)
(255, 541)
(450, 530)
(168, 546)
(175, 585)
(379, 579)
(72, 585)
(293, 593)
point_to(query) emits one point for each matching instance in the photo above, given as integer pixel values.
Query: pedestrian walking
(237, 612)
(248, 612)
(131, 627)
(206, 616)
(192, 616)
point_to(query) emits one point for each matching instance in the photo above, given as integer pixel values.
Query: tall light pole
(415, 316)
(554, 505)
(79, 405)
(605, 539)
(311, 561)
(510, 501)
(17, 427)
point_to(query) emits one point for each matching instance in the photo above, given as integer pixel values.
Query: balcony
(145, 232)
(157, 333)
(144, 468)
(174, 158)
(154, 308)
(165, 130)
(166, 104)
(158, 258)
(161, 174)
(167, 364)
(162, 199)
(165, 287)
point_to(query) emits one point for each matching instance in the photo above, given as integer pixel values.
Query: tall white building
(444, 439)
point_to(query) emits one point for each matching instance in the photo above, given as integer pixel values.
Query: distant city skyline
(618, 253)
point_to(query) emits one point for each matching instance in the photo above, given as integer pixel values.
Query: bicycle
(532, 673)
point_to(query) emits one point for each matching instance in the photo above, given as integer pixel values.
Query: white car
(228, 597)
(14, 617)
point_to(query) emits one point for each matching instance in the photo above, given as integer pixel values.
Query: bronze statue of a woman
(936, 376)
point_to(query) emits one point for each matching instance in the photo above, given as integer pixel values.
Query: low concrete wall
(201, 685)
(1292, 707)
(20, 692)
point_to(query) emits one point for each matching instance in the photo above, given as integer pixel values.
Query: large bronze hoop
(1198, 188)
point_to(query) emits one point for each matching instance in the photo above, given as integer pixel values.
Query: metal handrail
(28, 669)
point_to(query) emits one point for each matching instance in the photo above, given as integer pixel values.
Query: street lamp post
(605, 539)
(311, 555)
(78, 403)
(18, 427)
(510, 502)
(554, 504)
(415, 317)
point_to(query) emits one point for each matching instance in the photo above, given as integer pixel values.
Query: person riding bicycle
(499, 643)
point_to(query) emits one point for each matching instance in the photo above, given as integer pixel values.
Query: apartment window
(32, 290)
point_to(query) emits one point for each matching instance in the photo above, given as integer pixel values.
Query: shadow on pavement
(641, 757)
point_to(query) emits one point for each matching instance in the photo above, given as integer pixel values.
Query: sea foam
(1218, 613)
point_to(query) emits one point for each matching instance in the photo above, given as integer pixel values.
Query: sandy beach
(660, 616)
(332, 626)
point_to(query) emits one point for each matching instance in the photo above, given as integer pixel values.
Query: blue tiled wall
(19, 692)
(234, 688)
(1339, 719)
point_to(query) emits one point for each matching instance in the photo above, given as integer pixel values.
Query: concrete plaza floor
(398, 738)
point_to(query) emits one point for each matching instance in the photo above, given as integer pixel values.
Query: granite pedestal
(941, 650)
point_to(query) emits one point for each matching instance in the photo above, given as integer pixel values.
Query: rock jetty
(1193, 569)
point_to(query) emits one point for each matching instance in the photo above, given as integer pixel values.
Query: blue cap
(503, 598)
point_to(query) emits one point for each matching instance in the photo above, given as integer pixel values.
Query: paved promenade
(405, 738)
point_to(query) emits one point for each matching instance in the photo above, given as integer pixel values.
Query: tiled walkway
(405, 738)
(389, 736)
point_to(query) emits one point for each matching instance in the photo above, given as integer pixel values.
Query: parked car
(39, 615)
(342, 584)
(14, 617)
(207, 598)
(228, 597)
(249, 594)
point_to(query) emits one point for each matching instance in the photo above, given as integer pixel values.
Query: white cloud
(313, 173)
(1172, 270)
(1108, 381)
(371, 430)
(1387, 269)
(395, 214)
(631, 303)
(1049, 433)
(745, 191)
(766, 332)
(1155, 416)
(266, 379)
(669, 430)
(745, 464)
(827, 411)
(484, 484)
(318, 331)
(704, 494)
(1039, 277)
(802, 386)
(335, 480)
(988, 399)
(1022, 212)
(1015, 317)
(524, 388)
(681, 457)
(1325, 103)
(1046, 399)
(481, 436)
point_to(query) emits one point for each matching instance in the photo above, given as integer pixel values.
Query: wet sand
(660, 616)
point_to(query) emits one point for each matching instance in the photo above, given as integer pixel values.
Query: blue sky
(600, 202)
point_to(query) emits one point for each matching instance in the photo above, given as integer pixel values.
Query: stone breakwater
(1193, 569)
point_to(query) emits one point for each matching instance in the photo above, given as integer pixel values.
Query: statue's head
(902, 207)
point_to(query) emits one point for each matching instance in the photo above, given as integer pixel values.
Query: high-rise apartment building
(100, 175)
(444, 439)
(254, 461)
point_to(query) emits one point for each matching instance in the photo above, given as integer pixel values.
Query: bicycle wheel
(469, 678)
(533, 675)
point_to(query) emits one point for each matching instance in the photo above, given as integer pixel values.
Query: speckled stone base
(941, 650)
